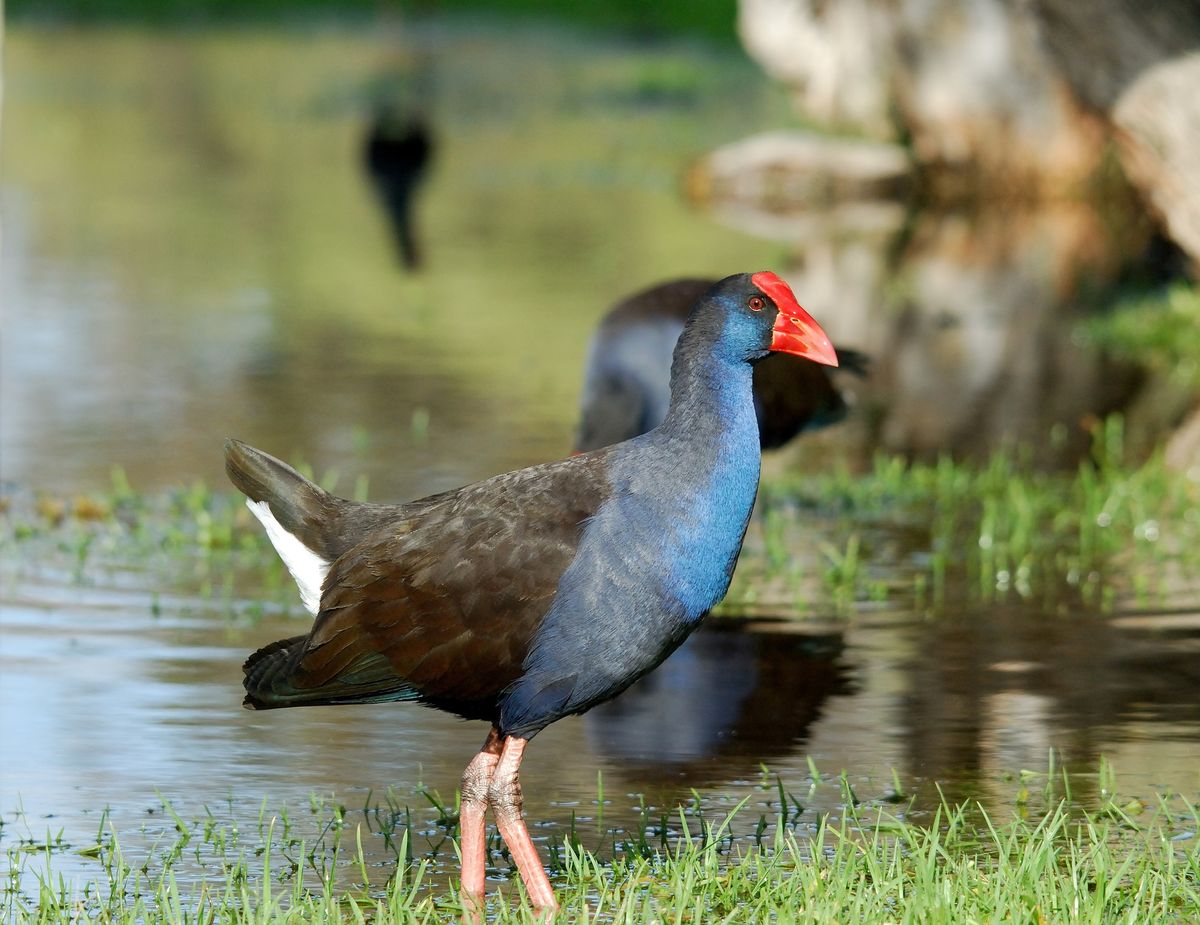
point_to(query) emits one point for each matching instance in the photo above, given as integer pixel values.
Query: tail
(274, 678)
(303, 520)
(854, 361)
(301, 507)
(268, 672)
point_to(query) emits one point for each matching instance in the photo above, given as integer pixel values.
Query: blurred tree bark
(1138, 64)
(1103, 46)
(963, 82)
(1014, 98)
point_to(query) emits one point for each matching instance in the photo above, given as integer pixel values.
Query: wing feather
(448, 596)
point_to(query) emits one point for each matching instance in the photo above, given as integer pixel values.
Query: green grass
(1160, 329)
(190, 541)
(935, 534)
(932, 536)
(1116, 863)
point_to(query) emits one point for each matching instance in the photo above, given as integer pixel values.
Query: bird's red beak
(795, 330)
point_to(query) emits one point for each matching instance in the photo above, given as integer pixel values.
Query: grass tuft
(939, 534)
(869, 866)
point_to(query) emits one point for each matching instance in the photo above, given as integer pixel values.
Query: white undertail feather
(306, 566)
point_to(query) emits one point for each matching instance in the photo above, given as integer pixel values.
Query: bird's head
(757, 314)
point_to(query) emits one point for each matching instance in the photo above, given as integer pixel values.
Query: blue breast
(706, 546)
(654, 559)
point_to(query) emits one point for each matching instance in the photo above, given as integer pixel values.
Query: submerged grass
(926, 535)
(941, 533)
(871, 865)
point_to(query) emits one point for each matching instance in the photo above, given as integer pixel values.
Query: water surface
(106, 706)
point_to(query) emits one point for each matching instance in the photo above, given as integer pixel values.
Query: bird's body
(528, 596)
(538, 593)
(626, 388)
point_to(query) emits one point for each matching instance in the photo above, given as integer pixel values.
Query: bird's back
(439, 600)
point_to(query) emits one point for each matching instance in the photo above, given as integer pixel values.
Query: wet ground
(192, 249)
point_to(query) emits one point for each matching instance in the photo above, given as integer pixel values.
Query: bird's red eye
(756, 304)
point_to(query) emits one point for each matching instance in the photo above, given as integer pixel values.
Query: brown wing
(448, 600)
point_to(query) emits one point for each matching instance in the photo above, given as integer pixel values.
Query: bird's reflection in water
(728, 700)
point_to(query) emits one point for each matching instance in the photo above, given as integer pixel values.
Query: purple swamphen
(537, 593)
(627, 388)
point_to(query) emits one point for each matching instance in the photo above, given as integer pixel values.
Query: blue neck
(711, 436)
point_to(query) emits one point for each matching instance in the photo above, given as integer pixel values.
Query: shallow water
(192, 250)
(106, 706)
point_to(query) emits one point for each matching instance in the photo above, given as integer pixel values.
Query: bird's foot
(491, 780)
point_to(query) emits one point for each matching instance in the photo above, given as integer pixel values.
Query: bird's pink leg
(476, 782)
(505, 798)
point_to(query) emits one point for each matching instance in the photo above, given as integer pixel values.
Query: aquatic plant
(1118, 861)
(925, 534)
(913, 534)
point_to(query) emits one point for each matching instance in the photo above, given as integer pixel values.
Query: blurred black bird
(626, 387)
(396, 154)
